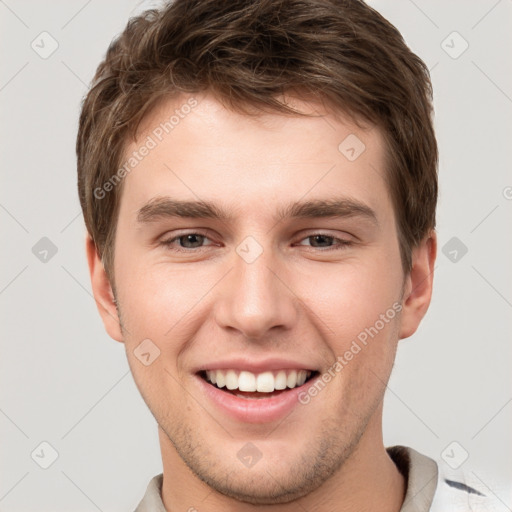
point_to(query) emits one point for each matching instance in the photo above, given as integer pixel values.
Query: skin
(296, 300)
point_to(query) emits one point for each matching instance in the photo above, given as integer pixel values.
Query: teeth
(265, 382)
(231, 379)
(280, 380)
(291, 380)
(220, 379)
(246, 381)
(301, 377)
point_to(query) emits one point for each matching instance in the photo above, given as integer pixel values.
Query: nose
(256, 296)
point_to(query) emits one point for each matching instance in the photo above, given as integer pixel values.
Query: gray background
(64, 381)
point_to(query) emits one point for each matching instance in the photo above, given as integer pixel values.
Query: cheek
(364, 347)
(155, 301)
(358, 304)
(349, 298)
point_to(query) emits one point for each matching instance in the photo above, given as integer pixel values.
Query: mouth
(257, 386)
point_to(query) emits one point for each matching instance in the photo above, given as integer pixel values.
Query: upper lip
(255, 366)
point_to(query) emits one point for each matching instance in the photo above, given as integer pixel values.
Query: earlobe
(102, 292)
(418, 285)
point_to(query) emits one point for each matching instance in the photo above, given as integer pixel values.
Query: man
(259, 184)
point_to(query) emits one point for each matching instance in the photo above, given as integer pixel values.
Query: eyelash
(342, 244)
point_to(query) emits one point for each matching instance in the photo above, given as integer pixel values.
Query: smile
(258, 384)
(249, 397)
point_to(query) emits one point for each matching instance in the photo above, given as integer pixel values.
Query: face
(292, 272)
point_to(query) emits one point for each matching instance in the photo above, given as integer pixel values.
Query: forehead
(193, 147)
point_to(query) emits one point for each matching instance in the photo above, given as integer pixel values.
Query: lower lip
(254, 410)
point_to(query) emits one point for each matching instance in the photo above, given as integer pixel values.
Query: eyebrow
(160, 208)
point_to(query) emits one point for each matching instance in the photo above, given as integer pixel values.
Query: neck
(367, 481)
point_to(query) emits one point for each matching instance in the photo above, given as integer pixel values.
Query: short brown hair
(249, 53)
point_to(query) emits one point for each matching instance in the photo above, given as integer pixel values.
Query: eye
(187, 242)
(322, 238)
(191, 241)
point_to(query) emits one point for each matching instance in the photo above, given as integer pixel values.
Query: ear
(102, 291)
(418, 285)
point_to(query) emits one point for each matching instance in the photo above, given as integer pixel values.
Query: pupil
(188, 237)
(325, 237)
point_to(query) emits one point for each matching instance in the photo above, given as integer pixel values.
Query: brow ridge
(166, 207)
